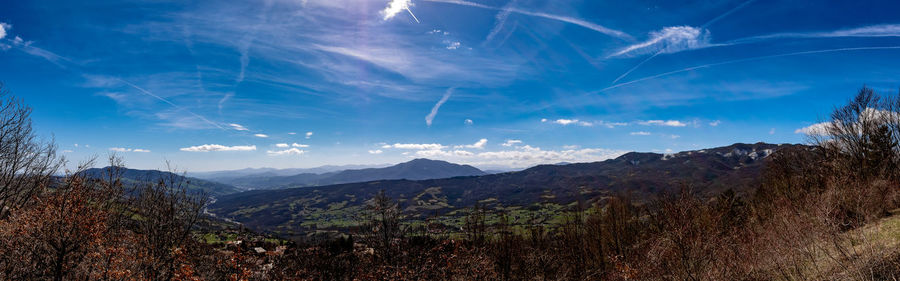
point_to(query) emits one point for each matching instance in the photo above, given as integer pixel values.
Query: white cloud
(217, 147)
(67, 151)
(416, 146)
(868, 114)
(670, 123)
(282, 145)
(527, 156)
(571, 146)
(877, 114)
(3, 27)
(122, 149)
(238, 127)
(670, 39)
(377, 151)
(261, 135)
(290, 151)
(477, 145)
(299, 145)
(292, 133)
(715, 123)
(521, 156)
(509, 143)
(453, 45)
(640, 133)
(397, 6)
(469, 122)
(433, 153)
(566, 122)
(818, 129)
(674, 136)
(309, 135)
(434, 110)
(613, 124)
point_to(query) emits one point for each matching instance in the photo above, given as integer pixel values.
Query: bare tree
(26, 163)
(166, 212)
(383, 226)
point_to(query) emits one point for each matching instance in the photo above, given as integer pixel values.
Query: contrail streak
(434, 110)
(414, 16)
(729, 12)
(142, 90)
(636, 67)
(745, 60)
(575, 21)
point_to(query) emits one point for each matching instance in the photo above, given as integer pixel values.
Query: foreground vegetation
(821, 212)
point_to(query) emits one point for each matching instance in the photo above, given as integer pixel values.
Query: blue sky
(211, 85)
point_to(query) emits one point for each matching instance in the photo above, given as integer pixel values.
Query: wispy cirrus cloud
(218, 147)
(670, 39)
(261, 135)
(881, 30)
(676, 39)
(238, 127)
(747, 59)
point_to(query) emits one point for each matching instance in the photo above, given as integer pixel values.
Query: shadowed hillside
(134, 176)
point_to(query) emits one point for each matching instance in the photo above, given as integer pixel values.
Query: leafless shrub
(27, 164)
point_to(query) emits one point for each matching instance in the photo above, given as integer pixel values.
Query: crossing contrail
(575, 21)
(729, 12)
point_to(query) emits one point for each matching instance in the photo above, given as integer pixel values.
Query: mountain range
(418, 169)
(638, 175)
